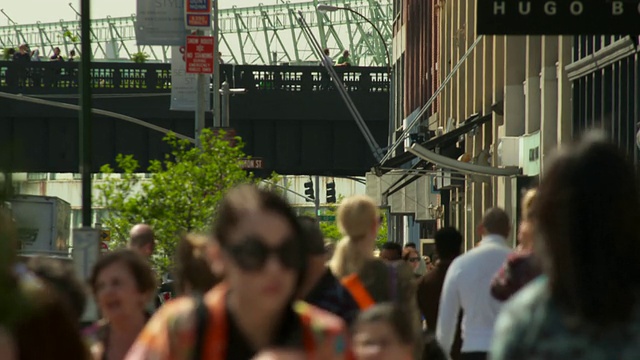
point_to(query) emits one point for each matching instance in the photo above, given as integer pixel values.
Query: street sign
(197, 14)
(255, 163)
(327, 218)
(558, 17)
(104, 247)
(105, 235)
(199, 55)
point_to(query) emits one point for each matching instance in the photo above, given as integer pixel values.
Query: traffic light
(308, 191)
(331, 193)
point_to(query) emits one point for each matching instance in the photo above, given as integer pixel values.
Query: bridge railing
(110, 77)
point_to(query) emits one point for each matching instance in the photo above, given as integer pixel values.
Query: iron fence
(120, 78)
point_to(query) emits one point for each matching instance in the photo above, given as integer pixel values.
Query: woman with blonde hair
(360, 271)
(358, 221)
(521, 266)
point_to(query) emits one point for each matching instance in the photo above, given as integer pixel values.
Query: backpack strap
(202, 318)
(211, 340)
(358, 291)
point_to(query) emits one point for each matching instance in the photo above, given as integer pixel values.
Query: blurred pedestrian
(321, 288)
(263, 257)
(61, 277)
(122, 284)
(448, 242)
(421, 267)
(344, 60)
(521, 266)
(391, 252)
(467, 288)
(35, 323)
(193, 273)
(384, 332)
(411, 257)
(142, 240)
(56, 55)
(582, 309)
(370, 280)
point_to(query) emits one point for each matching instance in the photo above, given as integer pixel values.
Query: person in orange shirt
(261, 252)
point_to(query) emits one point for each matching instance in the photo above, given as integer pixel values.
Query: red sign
(199, 55)
(198, 20)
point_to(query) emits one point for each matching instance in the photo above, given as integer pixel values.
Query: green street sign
(327, 218)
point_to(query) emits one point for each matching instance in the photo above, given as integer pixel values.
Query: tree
(180, 196)
(139, 57)
(331, 231)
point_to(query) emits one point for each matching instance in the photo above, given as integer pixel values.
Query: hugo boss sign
(558, 17)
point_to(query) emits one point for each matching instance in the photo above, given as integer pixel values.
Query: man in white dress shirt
(467, 287)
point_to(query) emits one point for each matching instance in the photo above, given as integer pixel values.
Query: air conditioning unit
(530, 154)
(509, 151)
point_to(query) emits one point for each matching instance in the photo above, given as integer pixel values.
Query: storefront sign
(558, 17)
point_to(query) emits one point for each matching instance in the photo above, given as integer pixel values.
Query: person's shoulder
(319, 319)
(328, 330)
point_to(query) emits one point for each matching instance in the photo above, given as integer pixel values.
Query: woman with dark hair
(35, 323)
(262, 254)
(587, 207)
(123, 284)
(193, 270)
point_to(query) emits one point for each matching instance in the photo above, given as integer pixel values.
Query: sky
(32, 11)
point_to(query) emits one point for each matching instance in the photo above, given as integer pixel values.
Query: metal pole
(201, 94)
(226, 94)
(85, 111)
(317, 202)
(216, 66)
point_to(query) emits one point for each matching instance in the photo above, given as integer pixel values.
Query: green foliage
(331, 231)
(69, 35)
(5, 54)
(140, 57)
(181, 194)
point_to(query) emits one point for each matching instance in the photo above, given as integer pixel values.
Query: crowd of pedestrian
(264, 285)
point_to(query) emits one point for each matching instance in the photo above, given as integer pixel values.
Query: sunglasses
(252, 253)
(414, 259)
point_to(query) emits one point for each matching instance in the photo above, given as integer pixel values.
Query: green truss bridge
(258, 35)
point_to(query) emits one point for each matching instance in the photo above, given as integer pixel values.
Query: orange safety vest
(358, 291)
(216, 331)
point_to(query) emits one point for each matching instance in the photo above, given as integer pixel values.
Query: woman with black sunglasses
(261, 252)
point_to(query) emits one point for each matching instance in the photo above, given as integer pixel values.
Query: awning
(441, 141)
(460, 166)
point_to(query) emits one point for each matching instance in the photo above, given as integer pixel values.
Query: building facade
(494, 102)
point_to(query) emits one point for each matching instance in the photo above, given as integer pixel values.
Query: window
(36, 176)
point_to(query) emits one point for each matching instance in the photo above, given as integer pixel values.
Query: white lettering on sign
(576, 8)
(499, 7)
(526, 9)
(550, 8)
(617, 8)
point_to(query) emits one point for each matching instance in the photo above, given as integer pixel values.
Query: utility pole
(217, 121)
(201, 93)
(85, 111)
(225, 93)
(317, 200)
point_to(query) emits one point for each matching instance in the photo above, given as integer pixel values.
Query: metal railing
(51, 78)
